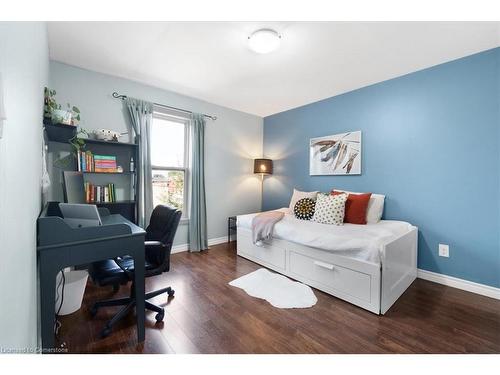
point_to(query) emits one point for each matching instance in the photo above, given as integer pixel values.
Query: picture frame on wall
(338, 154)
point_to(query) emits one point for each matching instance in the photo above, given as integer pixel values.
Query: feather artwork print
(332, 153)
(338, 154)
(342, 154)
(350, 161)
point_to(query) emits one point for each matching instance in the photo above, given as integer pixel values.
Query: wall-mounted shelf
(63, 133)
(113, 203)
(100, 142)
(60, 132)
(110, 173)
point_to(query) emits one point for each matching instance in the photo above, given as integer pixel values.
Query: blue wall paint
(430, 143)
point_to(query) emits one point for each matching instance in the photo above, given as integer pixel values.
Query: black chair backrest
(162, 227)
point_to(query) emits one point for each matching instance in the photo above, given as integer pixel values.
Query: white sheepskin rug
(276, 289)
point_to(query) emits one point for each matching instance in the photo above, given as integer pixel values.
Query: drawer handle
(323, 264)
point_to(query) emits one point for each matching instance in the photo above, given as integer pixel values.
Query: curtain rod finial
(118, 96)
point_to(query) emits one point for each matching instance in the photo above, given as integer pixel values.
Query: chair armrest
(124, 269)
(153, 244)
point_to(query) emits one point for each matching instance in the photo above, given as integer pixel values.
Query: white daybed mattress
(351, 240)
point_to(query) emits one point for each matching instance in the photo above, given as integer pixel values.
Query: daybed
(367, 265)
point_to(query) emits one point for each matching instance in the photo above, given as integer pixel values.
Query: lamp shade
(264, 166)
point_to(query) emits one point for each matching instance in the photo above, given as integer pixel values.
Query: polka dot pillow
(304, 209)
(330, 209)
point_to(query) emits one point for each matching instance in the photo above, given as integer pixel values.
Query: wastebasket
(74, 288)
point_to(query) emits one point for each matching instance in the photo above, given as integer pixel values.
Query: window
(169, 160)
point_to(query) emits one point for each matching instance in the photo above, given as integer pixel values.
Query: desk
(60, 246)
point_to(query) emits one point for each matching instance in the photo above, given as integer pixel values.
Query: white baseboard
(211, 242)
(454, 282)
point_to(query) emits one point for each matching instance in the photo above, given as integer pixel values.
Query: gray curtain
(198, 217)
(141, 114)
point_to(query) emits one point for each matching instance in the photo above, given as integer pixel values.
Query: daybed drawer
(354, 283)
(267, 253)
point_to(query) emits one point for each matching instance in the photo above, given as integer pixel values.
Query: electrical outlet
(444, 250)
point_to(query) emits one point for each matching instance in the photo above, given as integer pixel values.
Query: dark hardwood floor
(209, 316)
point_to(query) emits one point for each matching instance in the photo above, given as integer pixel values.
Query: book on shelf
(88, 162)
(85, 161)
(105, 163)
(100, 193)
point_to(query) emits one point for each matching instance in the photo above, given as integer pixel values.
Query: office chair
(159, 237)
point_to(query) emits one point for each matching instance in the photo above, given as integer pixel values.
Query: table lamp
(262, 167)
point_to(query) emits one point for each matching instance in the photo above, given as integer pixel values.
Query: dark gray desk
(61, 246)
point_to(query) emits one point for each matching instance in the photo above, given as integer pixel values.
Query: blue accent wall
(431, 144)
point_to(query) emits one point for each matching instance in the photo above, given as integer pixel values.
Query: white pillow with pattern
(298, 195)
(330, 209)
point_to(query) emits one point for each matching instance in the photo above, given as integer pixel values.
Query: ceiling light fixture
(264, 41)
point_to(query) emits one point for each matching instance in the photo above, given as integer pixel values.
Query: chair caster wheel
(171, 293)
(93, 311)
(105, 332)
(159, 317)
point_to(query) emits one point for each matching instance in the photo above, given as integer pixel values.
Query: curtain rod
(123, 97)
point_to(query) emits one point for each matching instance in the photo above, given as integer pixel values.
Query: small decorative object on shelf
(132, 165)
(107, 135)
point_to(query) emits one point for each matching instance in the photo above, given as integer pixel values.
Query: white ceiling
(211, 61)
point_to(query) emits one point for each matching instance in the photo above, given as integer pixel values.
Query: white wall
(231, 142)
(24, 69)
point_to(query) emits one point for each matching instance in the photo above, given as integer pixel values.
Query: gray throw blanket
(263, 226)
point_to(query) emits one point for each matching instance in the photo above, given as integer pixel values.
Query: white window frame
(174, 116)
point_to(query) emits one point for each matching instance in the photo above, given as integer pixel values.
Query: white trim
(454, 282)
(211, 242)
(217, 240)
(179, 248)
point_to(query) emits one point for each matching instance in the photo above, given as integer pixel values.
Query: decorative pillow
(330, 209)
(375, 206)
(304, 209)
(297, 195)
(355, 207)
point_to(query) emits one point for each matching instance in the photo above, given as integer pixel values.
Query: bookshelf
(125, 202)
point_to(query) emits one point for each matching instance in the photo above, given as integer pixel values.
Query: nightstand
(231, 226)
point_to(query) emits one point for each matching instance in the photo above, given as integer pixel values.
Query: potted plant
(53, 113)
(60, 124)
(75, 115)
(77, 143)
(50, 105)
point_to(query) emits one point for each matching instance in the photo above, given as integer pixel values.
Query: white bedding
(351, 240)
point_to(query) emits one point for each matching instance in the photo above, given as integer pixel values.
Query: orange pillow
(355, 207)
